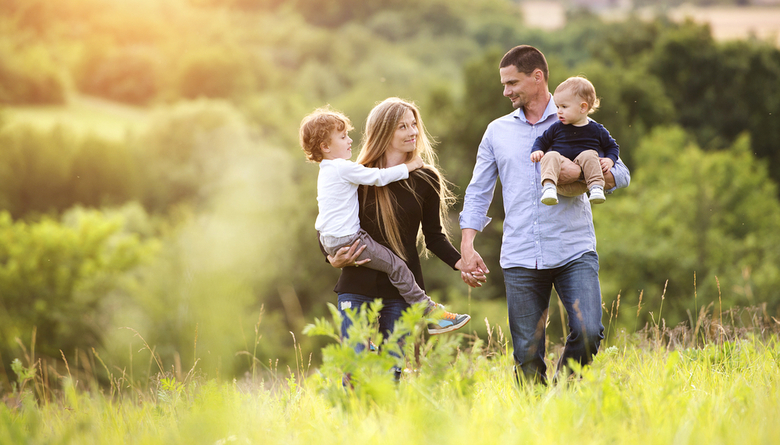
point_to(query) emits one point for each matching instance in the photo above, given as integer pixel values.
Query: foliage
(29, 75)
(214, 72)
(51, 170)
(736, 95)
(225, 84)
(55, 277)
(723, 391)
(127, 74)
(706, 222)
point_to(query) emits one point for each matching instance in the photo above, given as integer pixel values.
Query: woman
(394, 214)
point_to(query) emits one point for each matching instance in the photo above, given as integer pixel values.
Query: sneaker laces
(448, 315)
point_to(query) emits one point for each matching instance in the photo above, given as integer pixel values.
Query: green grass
(460, 390)
(83, 115)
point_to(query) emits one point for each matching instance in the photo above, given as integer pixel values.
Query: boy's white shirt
(337, 197)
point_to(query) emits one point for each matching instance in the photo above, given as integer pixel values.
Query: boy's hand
(536, 156)
(414, 164)
(606, 164)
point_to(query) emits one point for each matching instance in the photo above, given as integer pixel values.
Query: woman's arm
(435, 240)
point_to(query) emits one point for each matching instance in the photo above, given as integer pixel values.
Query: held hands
(606, 164)
(472, 268)
(348, 256)
(415, 163)
(536, 156)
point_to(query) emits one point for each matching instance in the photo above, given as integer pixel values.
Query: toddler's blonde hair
(582, 88)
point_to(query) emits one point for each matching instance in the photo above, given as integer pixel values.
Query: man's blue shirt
(536, 236)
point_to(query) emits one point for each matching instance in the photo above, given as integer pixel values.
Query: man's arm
(473, 218)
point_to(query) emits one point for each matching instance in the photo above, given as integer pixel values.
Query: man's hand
(348, 256)
(570, 172)
(472, 268)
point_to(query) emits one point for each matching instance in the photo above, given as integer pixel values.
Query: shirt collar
(551, 109)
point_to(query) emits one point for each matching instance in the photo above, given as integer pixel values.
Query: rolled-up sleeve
(479, 193)
(621, 174)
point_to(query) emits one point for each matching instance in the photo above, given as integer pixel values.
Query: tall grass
(715, 382)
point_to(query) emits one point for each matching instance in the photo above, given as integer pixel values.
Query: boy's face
(572, 110)
(339, 146)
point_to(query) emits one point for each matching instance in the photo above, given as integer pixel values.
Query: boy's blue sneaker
(443, 321)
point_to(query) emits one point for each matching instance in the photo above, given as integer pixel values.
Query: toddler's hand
(415, 163)
(536, 156)
(606, 164)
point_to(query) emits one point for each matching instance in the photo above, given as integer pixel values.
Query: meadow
(159, 278)
(717, 383)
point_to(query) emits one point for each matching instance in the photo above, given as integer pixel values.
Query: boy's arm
(609, 147)
(544, 142)
(362, 175)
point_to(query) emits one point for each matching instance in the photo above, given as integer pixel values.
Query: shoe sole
(597, 200)
(450, 328)
(550, 201)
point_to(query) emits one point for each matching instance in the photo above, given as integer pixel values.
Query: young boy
(324, 139)
(576, 137)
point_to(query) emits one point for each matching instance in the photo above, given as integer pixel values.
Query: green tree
(721, 90)
(47, 171)
(214, 72)
(129, 74)
(687, 211)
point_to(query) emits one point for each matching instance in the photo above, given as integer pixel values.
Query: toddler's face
(572, 110)
(340, 145)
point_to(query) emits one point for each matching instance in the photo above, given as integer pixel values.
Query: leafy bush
(55, 277)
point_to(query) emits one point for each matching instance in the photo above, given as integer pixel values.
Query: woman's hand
(348, 256)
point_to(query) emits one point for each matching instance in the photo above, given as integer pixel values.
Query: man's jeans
(528, 300)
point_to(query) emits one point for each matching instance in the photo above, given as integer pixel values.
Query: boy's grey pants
(383, 260)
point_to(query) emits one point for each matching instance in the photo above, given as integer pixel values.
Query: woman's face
(405, 137)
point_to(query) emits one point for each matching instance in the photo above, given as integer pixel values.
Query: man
(542, 246)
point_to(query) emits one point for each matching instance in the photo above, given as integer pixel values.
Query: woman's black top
(410, 214)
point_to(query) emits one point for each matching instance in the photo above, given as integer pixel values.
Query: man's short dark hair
(526, 59)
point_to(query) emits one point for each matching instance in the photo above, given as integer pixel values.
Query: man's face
(518, 87)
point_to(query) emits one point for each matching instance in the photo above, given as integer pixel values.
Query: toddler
(577, 137)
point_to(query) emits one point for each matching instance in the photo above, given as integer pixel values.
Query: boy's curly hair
(316, 129)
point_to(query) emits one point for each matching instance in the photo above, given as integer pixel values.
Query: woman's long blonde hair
(380, 129)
